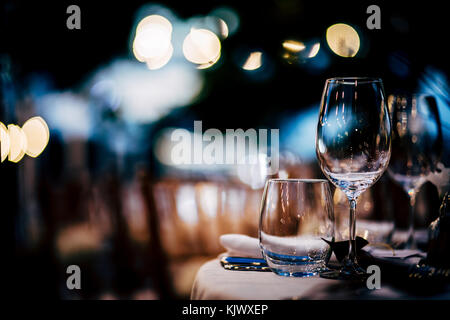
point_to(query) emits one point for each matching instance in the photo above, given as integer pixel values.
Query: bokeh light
(229, 17)
(295, 51)
(145, 96)
(68, 113)
(161, 61)
(4, 142)
(202, 47)
(211, 23)
(18, 143)
(343, 40)
(152, 43)
(314, 50)
(254, 61)
(38, 134)
(208, 64)
(31, 139)
(154, 20)
(223, 27)
(293, 45)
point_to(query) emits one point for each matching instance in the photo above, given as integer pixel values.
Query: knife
(244, 264)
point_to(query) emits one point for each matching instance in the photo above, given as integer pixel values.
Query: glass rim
(290, 180)
(353, 80)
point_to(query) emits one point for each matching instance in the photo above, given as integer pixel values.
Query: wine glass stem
(410, 243)
(352, 231)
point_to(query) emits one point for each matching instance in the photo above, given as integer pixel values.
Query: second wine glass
(417, 147)
(353, 144)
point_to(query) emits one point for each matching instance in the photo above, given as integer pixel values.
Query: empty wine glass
(353, 144)
(416, 146)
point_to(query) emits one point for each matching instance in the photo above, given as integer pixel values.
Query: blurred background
(105, 194)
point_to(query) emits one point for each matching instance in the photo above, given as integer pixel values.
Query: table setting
(358, 134)
(200, 151)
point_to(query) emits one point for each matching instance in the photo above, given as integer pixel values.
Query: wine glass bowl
(353, 141)
(353, 133)
(417, 139)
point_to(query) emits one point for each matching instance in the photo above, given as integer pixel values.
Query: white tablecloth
(213, 282)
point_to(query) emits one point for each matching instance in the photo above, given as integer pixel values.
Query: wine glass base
(342, 275)
(347, 272)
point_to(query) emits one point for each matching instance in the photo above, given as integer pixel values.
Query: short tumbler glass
(296, 218)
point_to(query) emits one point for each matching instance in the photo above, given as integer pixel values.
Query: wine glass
(353, 144)
(416, 146)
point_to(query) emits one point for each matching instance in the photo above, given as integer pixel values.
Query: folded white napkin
(239, 245)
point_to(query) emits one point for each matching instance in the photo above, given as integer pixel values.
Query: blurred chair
(191, 217)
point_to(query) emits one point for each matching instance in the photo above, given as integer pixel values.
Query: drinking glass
(296, 219)
(416, 146)
(353, 144)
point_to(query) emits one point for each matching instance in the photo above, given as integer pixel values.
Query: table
(213, 282)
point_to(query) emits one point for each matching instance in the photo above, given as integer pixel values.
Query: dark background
(37, 40)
